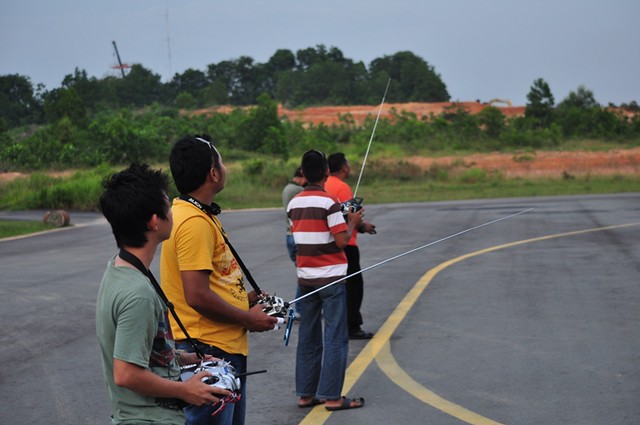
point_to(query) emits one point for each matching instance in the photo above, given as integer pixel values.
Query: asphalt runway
(531, 320)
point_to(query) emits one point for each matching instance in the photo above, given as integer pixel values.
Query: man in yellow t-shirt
(200, 275)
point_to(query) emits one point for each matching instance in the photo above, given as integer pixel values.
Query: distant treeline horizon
(315, 76)
(311, 76)
(117, 120)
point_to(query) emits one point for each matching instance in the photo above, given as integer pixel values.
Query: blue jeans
(321, 362)
(292, 250)
(291, 247)
(233, 413)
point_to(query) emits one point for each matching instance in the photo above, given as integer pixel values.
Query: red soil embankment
(543, 163)
(331, 114)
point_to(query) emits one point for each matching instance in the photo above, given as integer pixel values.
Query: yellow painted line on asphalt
(392, 369)
(378, 348)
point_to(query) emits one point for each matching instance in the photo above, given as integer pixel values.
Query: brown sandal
(347, 403)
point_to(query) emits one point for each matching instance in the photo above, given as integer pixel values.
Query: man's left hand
(367, 227)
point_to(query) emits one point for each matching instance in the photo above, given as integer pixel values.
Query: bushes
(147, 135)
(40, 191)
(388, 170)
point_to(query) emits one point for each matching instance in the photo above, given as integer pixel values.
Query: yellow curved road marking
(392, 369)
(378, 348)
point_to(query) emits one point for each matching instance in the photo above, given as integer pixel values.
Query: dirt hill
(542, 163)
(330, 114)
(536, 164)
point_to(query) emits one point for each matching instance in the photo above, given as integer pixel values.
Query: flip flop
(313, 402)
(347, 404)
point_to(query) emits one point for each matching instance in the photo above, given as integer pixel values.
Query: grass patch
(461, 189)
(78, 192)
(257, 182)
(10, 228)
(264, 189)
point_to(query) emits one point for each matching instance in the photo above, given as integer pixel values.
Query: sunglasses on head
(317, 152)
(208, 143)
(214, 151)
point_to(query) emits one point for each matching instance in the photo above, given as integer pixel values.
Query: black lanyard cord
(135, 261)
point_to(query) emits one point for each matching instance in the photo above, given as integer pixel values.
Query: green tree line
(312, 76)
(87, 121)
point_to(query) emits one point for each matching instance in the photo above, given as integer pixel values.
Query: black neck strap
(214, 209)
(135, 261)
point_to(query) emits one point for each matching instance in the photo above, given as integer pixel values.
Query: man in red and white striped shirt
(320, 234)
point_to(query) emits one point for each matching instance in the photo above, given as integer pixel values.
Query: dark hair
(314, 166)
(190, 160)
(130, 198)
(336, 162)
(298, 172)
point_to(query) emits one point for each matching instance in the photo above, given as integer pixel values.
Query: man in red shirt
(336, 186)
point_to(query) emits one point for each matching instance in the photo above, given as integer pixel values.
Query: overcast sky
(482, 49)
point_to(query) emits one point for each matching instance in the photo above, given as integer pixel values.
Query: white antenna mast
(166, 20)
(371, 139)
